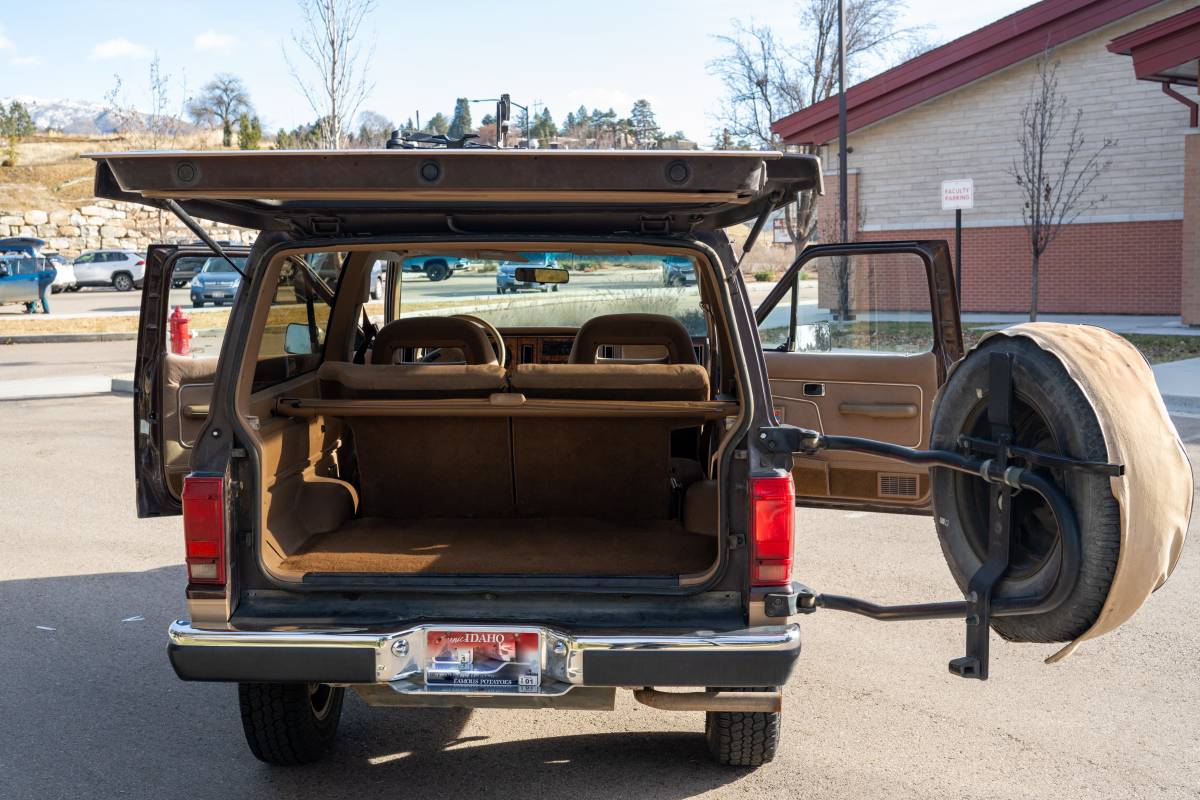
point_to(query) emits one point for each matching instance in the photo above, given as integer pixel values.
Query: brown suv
(534, 501)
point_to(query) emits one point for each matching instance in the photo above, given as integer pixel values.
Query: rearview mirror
(296, 341)
(542, 275)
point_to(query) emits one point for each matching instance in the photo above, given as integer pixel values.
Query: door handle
(879, 410)
(196, 411)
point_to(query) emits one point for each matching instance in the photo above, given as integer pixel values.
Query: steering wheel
(492, 332)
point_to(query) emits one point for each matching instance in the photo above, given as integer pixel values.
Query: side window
(202, 288)
(293, 340)
(877, 302)
(86, 258)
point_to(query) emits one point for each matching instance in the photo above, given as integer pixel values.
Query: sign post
(957, 195)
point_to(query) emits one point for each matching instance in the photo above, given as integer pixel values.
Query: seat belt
(368, 337)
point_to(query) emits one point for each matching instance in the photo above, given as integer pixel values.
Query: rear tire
(290, 723)
(123, 282)
(1051, 414)
(197, 304)
(742, 738)
(437, 271)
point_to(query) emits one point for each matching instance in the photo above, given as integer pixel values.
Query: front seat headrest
(428, 332)
(642, 329)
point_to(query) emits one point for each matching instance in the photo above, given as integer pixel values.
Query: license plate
(483, 661)
(218, 293)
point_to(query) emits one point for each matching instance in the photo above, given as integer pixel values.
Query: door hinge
(237, 452)
(736, 541)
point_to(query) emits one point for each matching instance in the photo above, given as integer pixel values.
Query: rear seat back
(584, 379)
(384, 379)
(612, 381)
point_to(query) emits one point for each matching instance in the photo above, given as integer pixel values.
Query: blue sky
(426, 54)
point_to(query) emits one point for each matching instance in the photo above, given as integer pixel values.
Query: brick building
(954, 112)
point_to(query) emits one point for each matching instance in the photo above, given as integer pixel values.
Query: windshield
(218, 264)
(595, 284)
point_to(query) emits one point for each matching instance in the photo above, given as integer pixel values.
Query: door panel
(884, 397)
(172, 392)
(187, 393)
(858, 340)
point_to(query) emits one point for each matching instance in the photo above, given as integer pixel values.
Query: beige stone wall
(108, 225)
(972, 133)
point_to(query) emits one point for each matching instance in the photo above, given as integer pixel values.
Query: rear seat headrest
(430, 332)
(633, 329)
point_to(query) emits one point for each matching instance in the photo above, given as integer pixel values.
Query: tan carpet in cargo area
(506, 546)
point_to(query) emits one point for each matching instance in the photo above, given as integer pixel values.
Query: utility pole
(843, 182)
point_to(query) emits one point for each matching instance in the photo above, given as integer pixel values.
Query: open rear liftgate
(1004, 480)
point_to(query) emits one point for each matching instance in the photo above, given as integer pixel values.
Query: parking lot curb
(122, 384)
(1182, 404)
(51, 338)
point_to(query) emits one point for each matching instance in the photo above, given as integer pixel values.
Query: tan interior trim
(196, 411)
(879, 410)
(920, 393)
(505, 405)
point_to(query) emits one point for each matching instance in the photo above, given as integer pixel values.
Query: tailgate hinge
(736, 541)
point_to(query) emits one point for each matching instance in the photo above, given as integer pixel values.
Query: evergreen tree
(644, 125)
(15, 124)
(488, 119)
(460, 123)
(249, 131)
(437, 124)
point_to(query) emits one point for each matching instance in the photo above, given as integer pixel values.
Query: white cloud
(119, 48)
(25, 61)
(5, 42)
(212, 40)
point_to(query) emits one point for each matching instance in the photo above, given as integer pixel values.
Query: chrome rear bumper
(748, 658)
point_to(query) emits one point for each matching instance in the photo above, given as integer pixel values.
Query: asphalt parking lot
(90, 707)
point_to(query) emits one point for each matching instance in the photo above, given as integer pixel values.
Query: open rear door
(172, 391)
(857, 340)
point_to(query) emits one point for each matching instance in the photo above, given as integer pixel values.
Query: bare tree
(223, 99)
(1055, 169)
(331, 46)
(766, 80)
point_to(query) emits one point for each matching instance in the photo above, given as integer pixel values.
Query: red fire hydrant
(181, 338)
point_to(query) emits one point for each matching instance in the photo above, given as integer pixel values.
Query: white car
(64, 275)
(120, 269)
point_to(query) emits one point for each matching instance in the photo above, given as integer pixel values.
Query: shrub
(763, 275)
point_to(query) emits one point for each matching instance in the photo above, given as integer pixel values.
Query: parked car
(506, 275)
(216, 282)
(185, 269)
(120, 269)
(600, 496)
(64, 275)
(20, 275)
(678, 271)
(436, 268)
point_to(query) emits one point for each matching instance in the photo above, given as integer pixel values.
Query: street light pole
(843, 182)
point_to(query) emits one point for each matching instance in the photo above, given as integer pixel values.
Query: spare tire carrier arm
(979, 606)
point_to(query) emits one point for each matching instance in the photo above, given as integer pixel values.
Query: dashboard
(553, 346)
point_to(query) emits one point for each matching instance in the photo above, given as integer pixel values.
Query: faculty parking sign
(958, 194)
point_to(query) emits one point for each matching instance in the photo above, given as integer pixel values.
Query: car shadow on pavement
(91, 708)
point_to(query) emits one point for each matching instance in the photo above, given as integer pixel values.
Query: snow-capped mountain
(68, 116)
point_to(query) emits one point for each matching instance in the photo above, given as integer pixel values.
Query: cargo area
(618, 495)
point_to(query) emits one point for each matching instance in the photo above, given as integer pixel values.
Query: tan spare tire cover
(1154, 497)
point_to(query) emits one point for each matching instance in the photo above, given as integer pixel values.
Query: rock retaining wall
(104, 224)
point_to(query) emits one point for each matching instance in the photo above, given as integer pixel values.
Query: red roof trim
(976, 55)
(1161, 45)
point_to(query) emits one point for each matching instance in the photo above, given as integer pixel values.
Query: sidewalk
(1179, 382)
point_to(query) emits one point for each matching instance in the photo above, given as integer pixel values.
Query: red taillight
(772, 527)
(140, 264)
(204, 528)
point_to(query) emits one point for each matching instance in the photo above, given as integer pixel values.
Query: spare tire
(1050, 413)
